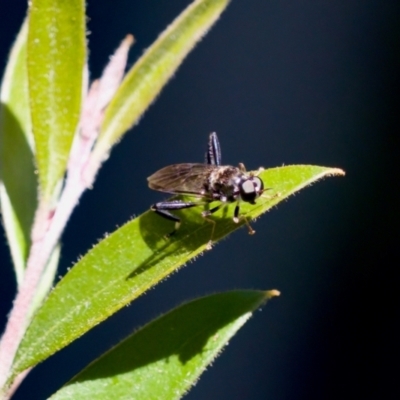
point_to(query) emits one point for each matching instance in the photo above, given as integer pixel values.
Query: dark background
(281, 82)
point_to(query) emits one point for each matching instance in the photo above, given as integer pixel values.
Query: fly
(208, 182)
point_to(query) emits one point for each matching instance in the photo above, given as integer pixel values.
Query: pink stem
(49, 224)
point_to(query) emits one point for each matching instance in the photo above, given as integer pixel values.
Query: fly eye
(259, 184)
(248, 191)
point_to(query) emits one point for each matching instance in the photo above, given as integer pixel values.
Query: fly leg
(236, 219)
(163, 209)
(206, 214)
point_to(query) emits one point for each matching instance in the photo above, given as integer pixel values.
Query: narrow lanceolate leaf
(18, 183)
(55, 60)
(136, 257)
(148, 76)
(165, 358)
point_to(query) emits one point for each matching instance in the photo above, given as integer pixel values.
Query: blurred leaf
(151, 72)
(136, 257)
(165, 358)
(18, 188)
(56, 55)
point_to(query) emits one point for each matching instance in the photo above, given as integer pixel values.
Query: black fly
(209, 182)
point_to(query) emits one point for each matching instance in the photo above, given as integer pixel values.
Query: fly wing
(213, 155)
(181, 178)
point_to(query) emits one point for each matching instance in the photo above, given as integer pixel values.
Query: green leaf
(18, 188)
(165, 358)
(148, 76)
(136, 257)
(55, 59)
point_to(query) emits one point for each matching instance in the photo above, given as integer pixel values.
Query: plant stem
(50, 222)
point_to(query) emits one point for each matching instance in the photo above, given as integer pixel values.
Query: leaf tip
(269, 294)
(129, 40)
(336, 172)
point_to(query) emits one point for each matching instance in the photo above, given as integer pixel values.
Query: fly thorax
(224, 182)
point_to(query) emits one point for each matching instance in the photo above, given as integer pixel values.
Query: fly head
(251, 188)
